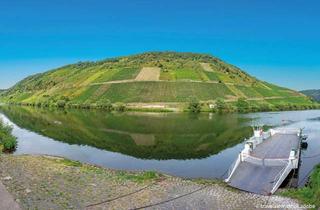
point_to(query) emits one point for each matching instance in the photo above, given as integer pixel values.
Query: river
(184, 145)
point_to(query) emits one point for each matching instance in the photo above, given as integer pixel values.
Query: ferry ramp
(266, 167)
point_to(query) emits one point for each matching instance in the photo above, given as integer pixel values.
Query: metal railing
(233, 167)
(280, 177)
(265, 161)
(266, 135)
(287, 131)
(275, 162)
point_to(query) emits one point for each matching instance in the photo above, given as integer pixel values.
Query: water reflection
(179, 144)
(145, 136)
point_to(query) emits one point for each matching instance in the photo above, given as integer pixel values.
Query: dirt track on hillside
(149, 74)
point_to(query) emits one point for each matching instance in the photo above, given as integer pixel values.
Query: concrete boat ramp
(266, 161)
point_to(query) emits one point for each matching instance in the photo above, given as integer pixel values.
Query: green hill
(315, 94)
(154, 77)
(2, 92)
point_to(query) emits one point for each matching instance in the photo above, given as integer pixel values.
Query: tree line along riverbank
(220, 105)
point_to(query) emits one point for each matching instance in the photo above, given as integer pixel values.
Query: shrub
(9, 143)
(5, 130)
(120, 107)
(38, 104)
(61, 103)
(254, 108)
(221, 105)
(75, 106)
(264, 107)
(194, 105)
(85, 106)
(242, 105)
(281, 107)
(64, 98)
(105, 104)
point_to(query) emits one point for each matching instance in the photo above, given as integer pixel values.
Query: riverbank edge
(138, 177)
(310, 193)
(176, 108)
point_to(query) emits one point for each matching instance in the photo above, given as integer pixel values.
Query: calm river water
(185, 145)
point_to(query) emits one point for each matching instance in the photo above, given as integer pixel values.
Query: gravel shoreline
(44, 182)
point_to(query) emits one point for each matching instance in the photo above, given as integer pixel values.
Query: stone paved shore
(7, 201)
(42, 182)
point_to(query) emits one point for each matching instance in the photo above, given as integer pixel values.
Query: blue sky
(277, 41)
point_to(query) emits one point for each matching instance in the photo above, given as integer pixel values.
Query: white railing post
(233, 168)
(281, 177)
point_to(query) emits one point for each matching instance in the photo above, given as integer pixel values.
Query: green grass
(165, 91)
(187, 74)
(167, 75)
(202, 75)
(68, 162)
(248, 91)
(265, 91)
(236, 91)
(23, 96)
(125, 73)
(224, 77)
(117, 74)
(290, 100)
(106, 75)
(87, 94)
(138, 177)
(309, 194)
(212, 76)
(284, 92)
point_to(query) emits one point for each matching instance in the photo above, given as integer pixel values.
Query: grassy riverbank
(309, 194)
(43, 182)
(8, 142)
